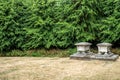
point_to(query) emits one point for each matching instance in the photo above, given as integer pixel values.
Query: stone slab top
(83, 43)
(104, 44)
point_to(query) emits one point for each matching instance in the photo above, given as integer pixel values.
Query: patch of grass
(116, 51)
(40, 53)
(48, 53)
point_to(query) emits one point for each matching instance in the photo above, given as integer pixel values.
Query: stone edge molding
(104, 53)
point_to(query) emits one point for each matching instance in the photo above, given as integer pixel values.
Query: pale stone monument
(104, 52)
(83, 51)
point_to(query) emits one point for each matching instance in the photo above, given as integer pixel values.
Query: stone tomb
(83, 51)
(104, 52)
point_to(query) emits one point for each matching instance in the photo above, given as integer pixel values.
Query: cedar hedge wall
(31, 24)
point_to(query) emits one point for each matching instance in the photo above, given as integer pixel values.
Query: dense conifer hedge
(31, 24)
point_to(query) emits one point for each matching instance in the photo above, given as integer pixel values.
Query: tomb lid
(104, 44)
(83, 43)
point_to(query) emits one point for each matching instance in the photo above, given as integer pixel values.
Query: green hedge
(31, 24)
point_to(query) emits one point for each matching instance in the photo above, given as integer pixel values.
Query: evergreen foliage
(31, 24)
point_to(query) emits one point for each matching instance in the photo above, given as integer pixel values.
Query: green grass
(47, 53)
(40, 53)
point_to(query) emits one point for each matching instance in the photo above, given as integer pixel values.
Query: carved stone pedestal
(104, 52)
(83, 51)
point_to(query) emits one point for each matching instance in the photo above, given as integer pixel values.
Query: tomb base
(104, 57)
(81, 55)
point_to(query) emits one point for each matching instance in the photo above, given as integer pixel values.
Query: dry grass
(41, 68)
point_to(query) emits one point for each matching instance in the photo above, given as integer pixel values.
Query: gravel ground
(44, 68)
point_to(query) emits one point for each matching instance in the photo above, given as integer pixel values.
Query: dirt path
(32, 68)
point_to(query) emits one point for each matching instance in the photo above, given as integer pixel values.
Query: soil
(44, 68)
